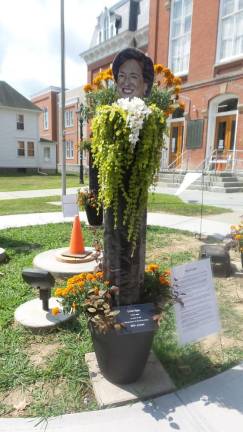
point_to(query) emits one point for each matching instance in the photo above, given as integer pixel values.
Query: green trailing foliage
(122, 170)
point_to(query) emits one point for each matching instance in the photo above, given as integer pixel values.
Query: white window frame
(20, 121)
(19, 148)
(219, 39)
(68, 118)
(28, 148)
(185, 70)
(45, 118)
(69, 150)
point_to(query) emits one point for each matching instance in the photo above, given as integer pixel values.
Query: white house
(20, 145)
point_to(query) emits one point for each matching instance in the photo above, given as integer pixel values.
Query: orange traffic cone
(77, 241)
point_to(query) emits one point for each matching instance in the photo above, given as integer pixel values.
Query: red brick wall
(204, 81)
(49, 101)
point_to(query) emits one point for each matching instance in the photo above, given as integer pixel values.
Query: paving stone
(154, 382)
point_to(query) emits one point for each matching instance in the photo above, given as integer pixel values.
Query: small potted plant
(237, 235)
(88, 201)
(91, 294)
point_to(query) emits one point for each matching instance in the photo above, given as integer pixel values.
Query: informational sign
(69, 205)
(196, 311)
(187, 181)
(137, 318)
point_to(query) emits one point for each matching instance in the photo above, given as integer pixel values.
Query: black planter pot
(122, 355)
(92, 216)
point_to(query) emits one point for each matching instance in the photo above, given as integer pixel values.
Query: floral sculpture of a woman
(127, 141)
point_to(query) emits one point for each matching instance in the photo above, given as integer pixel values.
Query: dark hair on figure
(145, 62)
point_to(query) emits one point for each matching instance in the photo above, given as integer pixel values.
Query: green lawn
(46, 375)
(157, 203)
(172, 204)
(19, 182)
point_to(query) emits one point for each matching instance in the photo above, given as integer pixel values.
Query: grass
(173, 204)
(156, 203)
(60, 383)
(19, 182)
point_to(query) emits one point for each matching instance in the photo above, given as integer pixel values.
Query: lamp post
(82, 116)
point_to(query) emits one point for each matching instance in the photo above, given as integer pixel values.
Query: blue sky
(30, 41)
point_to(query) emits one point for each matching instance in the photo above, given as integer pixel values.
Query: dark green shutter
(194, 134)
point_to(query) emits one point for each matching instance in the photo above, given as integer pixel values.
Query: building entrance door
(176, 143)
(225, 133)
(224, 140)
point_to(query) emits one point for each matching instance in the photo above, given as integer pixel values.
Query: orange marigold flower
(99, 275)
(163, 280)
(177, 81)
(90, 277)
(152, 267)
(97, 80)
(55, 311)
(88, 88)
(177, 89)
(58, 292)
(158, 68)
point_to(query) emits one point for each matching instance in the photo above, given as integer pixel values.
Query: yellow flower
(88, 88)
(152, 267)
(177, 89)
(97, 80)
(177, 81)
(99, 275)
(158, 68)
(58, 292)
(55, 311)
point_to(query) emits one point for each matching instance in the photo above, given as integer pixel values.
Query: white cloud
(30, 41)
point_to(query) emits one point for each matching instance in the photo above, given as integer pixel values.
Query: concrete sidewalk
(34, 193)
(213, 405)
(218, 229)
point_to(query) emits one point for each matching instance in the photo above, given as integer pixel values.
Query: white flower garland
(137, 111)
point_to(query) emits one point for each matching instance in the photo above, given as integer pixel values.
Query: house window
(47, 154)
(45, 118)
(30, 149)
(20, 149)
(230, 29)
(20, 121)
(180, 36)
(68, 118)
(69, 150)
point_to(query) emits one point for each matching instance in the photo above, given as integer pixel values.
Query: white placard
(69, 205)
(198, 316)
(187, 181)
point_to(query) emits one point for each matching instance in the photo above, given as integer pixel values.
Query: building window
(106, 28)
(30, 149)
(68, 118)
(47, 154)
(230, 29)
(45, 118)
(111, 30)
(20, 121)
(69, 150)
(20, 149)
(180, 36)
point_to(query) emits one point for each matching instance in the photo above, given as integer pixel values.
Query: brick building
(49, 101)
(202, 42)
